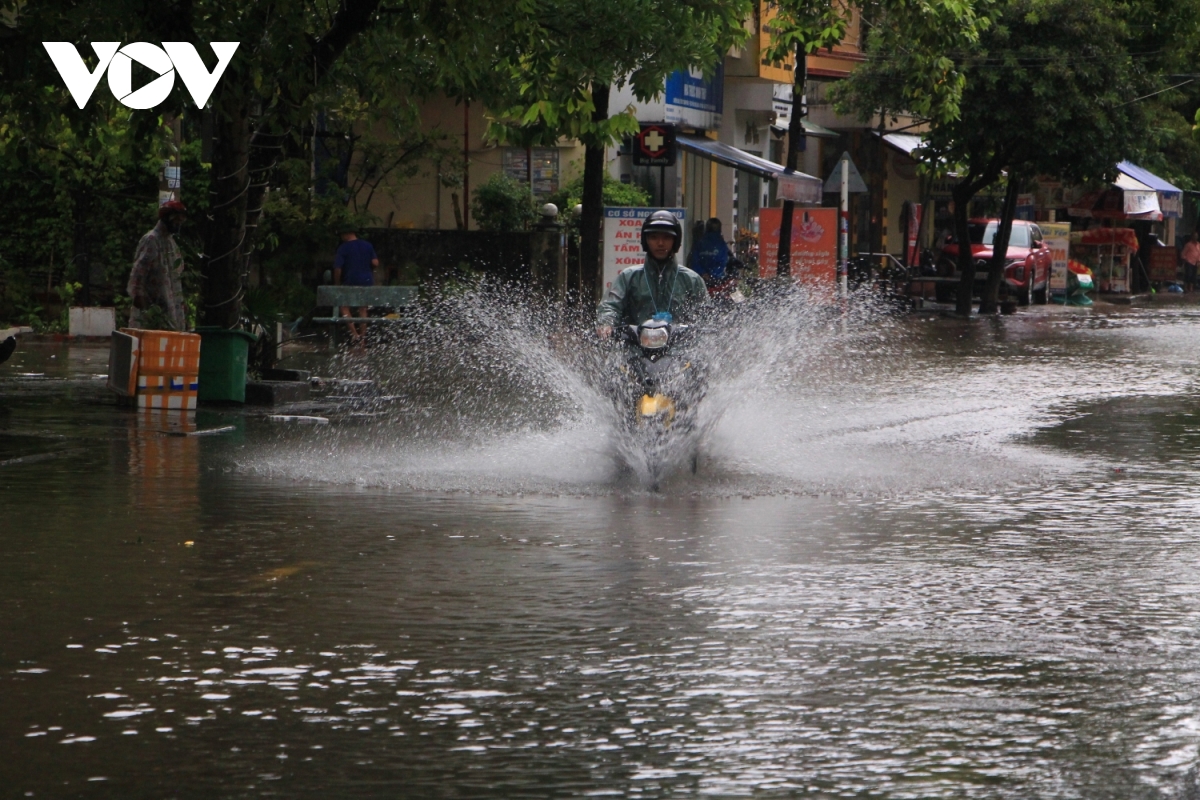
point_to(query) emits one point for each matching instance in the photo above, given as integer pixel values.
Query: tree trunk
(962, 194)
(222, 265)
(796, 143)
(81, 208)
(591, 272)
(990, 300)
(244, 156)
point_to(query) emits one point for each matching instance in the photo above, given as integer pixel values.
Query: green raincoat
(639, 293)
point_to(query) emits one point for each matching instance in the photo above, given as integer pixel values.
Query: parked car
(1027, 261)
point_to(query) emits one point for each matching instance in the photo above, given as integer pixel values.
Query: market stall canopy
(1170, 197)
(792, 185)
(1136, 194)
(1130, 202)
(1126, 237)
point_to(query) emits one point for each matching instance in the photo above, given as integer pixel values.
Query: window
(986, 234)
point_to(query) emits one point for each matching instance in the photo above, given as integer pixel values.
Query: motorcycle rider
(659, 286)
(710, 255)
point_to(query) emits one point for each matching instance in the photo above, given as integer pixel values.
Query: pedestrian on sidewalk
(156, 281)
(1191, 258)
(353, 267)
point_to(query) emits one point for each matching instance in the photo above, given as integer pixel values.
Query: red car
(1027, 261)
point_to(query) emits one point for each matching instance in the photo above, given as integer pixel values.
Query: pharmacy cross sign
(654, 146)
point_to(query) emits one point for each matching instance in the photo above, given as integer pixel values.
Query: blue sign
(688, 91)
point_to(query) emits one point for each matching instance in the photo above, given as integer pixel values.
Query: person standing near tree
(1191, 258)
(156, 281)
(352, 266)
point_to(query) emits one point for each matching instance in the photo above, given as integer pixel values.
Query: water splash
(496, 391)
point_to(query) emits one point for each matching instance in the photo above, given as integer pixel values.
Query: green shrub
(615, 194)
(503, 204)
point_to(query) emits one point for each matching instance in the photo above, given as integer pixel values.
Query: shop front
(1119, 231)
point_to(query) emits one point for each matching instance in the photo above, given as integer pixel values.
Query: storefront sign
(1171, 204)
(1137, 202)
(1058, 239)
(1025, 207)
(798, 187)
(694, 100)
(814, 246)
(654, 146)
(623, 238)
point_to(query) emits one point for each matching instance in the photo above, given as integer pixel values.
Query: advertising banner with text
(814, 246)
(1058, 239)
(623, 238)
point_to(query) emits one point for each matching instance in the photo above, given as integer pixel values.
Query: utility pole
(844, 230)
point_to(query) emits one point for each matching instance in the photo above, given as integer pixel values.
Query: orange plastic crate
(168, 368)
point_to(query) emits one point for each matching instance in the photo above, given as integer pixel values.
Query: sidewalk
(1149, 299)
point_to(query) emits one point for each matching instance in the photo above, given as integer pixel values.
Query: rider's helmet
(662, 221)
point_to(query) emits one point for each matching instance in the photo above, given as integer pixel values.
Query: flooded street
(928, 559)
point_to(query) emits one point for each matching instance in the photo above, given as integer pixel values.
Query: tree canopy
(554, 75)
(1050, 88)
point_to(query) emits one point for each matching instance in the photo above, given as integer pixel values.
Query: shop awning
(905, 142)
(1127, 200)
(810, 129)
(1136, 194)
(795, 186)
(908, 143)
(1170, 196)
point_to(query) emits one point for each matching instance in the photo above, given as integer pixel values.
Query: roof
(739, 159)
(1146, 177)
(810, 129)
(904, 142)
(813, 129)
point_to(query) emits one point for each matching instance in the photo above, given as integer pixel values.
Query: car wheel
(1027, 292)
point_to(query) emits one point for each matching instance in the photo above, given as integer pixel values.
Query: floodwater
(921, 558)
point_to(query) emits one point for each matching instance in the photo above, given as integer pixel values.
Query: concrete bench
(394, 297)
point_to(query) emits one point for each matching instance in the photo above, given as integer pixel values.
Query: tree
(556, 74)
(916, 35)
(67, 175)
(1051, 88)
(286, 53)
(1047, 94)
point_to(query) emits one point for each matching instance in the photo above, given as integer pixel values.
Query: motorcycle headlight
(653, 338)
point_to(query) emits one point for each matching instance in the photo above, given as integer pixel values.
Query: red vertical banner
(814, 246)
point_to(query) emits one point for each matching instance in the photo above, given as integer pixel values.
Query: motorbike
(726, 292)
(658, 387)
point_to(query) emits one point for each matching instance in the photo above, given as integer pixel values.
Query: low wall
(417, 256)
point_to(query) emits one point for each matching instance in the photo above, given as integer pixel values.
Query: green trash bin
(223, 364)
